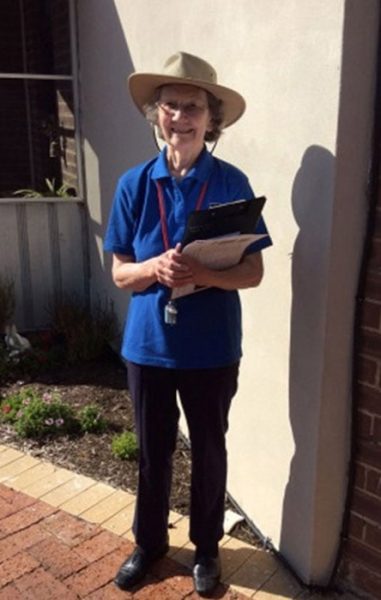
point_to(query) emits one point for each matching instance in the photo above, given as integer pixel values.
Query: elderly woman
(198, 356)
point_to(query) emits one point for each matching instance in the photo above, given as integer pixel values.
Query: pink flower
(49, 422)
(59, 422)
(47, 398)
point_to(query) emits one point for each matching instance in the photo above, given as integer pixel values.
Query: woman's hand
(168, 268)
(175, 269)
(172, 270)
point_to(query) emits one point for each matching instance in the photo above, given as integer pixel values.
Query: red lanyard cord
(163, 216)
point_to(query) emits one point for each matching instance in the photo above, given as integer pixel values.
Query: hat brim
(142, 88)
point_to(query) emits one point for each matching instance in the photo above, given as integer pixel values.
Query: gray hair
(215, 108)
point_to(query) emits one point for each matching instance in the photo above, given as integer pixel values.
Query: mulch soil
(102, 382)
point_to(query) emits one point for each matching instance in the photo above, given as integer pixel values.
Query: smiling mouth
(181, 131)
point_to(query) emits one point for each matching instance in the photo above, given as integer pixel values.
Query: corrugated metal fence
(44, 249)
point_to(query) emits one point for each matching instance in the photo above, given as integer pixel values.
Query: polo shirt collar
(200, 170)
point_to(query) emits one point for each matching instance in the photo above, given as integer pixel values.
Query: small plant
(91, 419)
(34, 416)
(7, 301)
(86, 331)
(63, 191)
(125, 446)
(10, 406)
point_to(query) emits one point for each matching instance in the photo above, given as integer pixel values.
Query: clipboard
(238, 217)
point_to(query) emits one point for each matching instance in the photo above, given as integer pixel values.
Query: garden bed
(101, 382)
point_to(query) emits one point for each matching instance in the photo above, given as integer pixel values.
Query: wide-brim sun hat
(184, 68)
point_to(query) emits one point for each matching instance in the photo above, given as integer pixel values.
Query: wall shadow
(312, 194)
(248, 567)
(119, 137)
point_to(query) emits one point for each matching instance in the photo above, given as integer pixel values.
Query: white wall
(306, 69)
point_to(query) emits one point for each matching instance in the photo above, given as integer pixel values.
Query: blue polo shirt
(208, 330)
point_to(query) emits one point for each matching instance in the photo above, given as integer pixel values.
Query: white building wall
(308, 82)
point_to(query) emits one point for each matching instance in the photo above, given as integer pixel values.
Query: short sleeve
(121, 225)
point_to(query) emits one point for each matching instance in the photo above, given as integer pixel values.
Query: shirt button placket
(180, 213)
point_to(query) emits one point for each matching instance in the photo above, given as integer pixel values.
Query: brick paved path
(48, 554)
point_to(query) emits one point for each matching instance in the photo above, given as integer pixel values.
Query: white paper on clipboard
(216, 253)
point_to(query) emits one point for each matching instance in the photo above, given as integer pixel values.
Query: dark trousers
(205, 396)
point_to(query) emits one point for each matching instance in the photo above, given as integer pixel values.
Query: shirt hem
(172, 364)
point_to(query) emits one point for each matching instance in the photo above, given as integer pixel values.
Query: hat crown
(183, 68)
(190, 67)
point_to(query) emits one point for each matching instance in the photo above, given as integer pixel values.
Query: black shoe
(206, 574)
(136, 567)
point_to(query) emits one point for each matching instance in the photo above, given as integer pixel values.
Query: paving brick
(234, 554)
(168, 567)
(222, 592)
(185, 555)
(178, 535)
(10, 592)
(100, 545)
(107, 508)
(49, 482)
(57, 557)
(45, 549)
(33, 534)
(69, 529)
(41, 585)
(68, 490)
(173, 518)
(282, 583)
(129, 535)
(24, 518)
(9, 455)
(254, 573)
(8, 548)
(21, 540)
(14, 503)
(122, 521)
(87, 499)
(232, 594)
(14, 567)
(96, 575)
(11, 470)
(110, 592)
(178, 576)
(30, 476)
(13, 544)
(158, 589)
(6, 493)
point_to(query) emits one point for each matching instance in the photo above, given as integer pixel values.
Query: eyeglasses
(190, 109)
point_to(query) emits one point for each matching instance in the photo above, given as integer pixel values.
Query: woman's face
(183, 117)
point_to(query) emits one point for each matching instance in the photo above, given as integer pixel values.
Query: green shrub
(91, 419)
(86, 332)
(34, 416)
(125, 446)
(11, 405)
